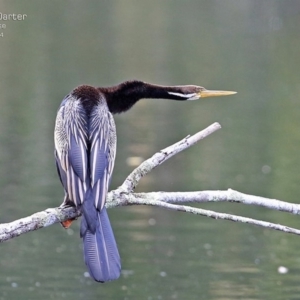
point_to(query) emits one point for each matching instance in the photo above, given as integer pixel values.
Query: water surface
(250, 47)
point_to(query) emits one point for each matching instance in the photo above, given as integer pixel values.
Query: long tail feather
(101, 254)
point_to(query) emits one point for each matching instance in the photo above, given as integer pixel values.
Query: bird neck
(122, 97)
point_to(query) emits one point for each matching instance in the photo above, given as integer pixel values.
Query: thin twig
(216, 215)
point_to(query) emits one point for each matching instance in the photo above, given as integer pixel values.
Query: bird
(85, 148)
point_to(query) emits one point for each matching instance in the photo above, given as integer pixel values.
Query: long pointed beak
(208, 93)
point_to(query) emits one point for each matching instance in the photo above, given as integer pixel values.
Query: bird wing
(102, 152)
(71, 148)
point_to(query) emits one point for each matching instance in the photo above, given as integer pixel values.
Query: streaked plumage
(85, 149)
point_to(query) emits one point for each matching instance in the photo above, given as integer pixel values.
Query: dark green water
(248, 46)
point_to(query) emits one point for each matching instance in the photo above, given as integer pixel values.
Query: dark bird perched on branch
(85, 149)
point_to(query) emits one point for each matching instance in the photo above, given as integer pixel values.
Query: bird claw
(67, 224)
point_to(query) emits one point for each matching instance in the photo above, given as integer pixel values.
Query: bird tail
(100, 250)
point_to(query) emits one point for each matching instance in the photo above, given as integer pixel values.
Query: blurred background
(248, 46)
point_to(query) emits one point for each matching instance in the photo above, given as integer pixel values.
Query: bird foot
(67, 224)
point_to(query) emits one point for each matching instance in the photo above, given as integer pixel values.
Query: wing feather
(71, 148)
(102, 153)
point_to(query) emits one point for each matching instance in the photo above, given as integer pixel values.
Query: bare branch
(36, 221)
(219, 196)
(216, 215)
(124, 196)
(160, 157)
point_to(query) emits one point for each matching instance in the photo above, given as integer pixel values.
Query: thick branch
(124, 196)
(36, 221)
